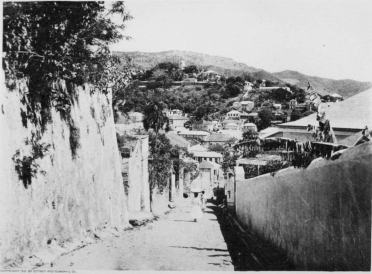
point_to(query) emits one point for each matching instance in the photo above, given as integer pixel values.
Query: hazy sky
(331, 39)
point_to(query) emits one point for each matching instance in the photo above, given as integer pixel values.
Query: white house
(247, 105)
(177, 121)
(231, 126)
(249, 126)
(234, 114)
(136, 116)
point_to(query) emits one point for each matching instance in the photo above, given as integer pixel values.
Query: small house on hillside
(202, 125)
(231, 126)
(234, 114)
(249, 127)
(212, 171)
(247, 105)
(177, 121)
(217, 138)
(207, 156)
(237, 122)
(194, 134)
(292, 104)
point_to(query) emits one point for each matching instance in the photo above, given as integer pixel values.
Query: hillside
(227, 66)
(346, 87)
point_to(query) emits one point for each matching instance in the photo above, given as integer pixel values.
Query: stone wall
(75, 198)
(320, 216)
(138, 175)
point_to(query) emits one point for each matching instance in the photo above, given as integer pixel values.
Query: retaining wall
(320, 216)
(75, 198)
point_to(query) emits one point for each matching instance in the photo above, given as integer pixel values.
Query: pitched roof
(353, 113)
(231, 121)
(197, 148)
(175, 139)
(207, 154)
(351, 140)
(177, 117)
(217, 138)
(194, 132)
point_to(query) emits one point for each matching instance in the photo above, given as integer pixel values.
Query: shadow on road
(199, 248)
(257, 254)
(184, 221)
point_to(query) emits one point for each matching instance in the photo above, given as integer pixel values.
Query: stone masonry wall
(76, 198)
(320, 216)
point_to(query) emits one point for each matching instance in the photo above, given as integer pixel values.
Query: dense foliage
(50, 48)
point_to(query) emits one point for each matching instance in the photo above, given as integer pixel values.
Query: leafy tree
(216, 148)
(55, 47)
(265, 117)
(191, 69)
(248, 135)
(295, 115)
(229, 159)
(281, 95)
(167, 66)
(154, 118)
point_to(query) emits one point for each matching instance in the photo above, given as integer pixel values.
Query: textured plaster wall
(74, 198)
(321, 216)
(138, 175)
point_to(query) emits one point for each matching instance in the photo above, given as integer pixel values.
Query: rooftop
(208, 164)
(194, 132)
(177, 117)
(246, 102)
(218, 138)
(175, 139)
(207, 154)
(231, 121)
(197, 148)
(352, 113)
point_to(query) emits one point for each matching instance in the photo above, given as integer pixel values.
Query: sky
(330, 39)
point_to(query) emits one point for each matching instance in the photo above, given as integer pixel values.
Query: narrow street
(174, 242)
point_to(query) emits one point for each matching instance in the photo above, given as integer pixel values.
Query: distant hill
(229, 67)
(223, 65)
(262, 74)
(345, 88)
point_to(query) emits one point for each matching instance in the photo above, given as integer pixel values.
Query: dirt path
(174, 242)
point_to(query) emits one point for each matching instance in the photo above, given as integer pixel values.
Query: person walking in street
(196, 211)
(203, 200)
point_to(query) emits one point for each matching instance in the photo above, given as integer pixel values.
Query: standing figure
(196, 212)
(203, 200)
